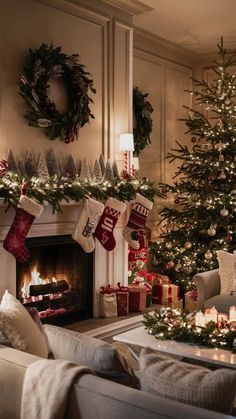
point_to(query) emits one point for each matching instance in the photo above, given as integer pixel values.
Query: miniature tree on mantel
(203, 219)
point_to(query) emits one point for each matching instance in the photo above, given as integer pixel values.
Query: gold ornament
(221, 157)
(187, 245)
(208, 255)
(222, 175)
(168, 245)
(211, 231)
(224, 212)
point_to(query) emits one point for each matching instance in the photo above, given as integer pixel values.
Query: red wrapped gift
(137, 298)
(165, 292)
(122, 296)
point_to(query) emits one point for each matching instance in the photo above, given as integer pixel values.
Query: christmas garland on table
(40, 66)
(173, 324)
(57, 188)
(142, 110)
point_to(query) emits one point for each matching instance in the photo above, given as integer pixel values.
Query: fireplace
(57, 279)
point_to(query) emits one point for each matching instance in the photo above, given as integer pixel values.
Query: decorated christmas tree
(203, 218)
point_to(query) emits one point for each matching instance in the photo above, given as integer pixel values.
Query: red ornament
(210, 178)
(169, 265)
(228, 238)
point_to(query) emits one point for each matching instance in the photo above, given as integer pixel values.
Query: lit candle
(232, 313)
(200, 320)
(211, 315)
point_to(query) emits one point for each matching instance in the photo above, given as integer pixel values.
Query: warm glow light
(126, 142)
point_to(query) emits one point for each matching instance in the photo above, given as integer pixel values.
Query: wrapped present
(164, 292)
(109, 305)
(190, 301)
(174, 303)
(137, 298)
(122, 296)
(159, 279)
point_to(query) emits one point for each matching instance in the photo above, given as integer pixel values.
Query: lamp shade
(126, 142)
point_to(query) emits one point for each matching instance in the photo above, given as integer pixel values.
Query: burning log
(50, 288)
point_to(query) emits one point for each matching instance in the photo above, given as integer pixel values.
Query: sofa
(209, 288)
(91, 396)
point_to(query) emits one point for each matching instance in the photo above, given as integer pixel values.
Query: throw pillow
(227, 271)
(35, 317)
(96, 354)
(186, 383)
(19, 328)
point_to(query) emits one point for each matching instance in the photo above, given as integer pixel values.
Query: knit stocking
(107, 222)
(137, 220)
(27, 211)
(87, 223)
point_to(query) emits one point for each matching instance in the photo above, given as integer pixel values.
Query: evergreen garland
(57, 188)
(142, 120)
(40, 66)
(173, 324)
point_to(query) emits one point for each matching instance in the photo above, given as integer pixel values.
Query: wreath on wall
(40, 66)
(142, 110)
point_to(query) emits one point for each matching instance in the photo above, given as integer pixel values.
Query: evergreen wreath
(142, 110)
(41, 65)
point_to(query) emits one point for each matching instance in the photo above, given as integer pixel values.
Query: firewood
(50, 288)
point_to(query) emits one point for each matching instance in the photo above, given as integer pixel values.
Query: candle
(200, 320)
(222, 320)
(232, 313)
(211, 315)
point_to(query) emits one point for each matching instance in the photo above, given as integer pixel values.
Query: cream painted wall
(27, 24)
(165, 82)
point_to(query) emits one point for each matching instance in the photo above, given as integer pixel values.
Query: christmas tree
(203, 219)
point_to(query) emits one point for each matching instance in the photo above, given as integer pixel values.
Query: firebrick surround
(57, 279)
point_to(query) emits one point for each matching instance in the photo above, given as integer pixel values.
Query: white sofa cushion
(19, 328)
(186, 383)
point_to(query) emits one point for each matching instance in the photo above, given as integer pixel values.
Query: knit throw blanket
(46, 388)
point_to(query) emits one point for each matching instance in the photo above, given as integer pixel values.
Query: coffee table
(139, 338)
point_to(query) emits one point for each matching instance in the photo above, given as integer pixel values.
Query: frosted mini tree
(203, 219)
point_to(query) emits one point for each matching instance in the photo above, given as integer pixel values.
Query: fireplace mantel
(109, 267)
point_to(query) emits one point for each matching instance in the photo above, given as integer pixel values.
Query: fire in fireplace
(57, 279)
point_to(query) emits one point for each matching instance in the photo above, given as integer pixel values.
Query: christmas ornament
(70, 169)
(40, 66)
(3, 167)
(88, 218)
(27, 210)
(188, 245)
(137, 220)
(229, 238)
(221, 157)
(12, 166)
(168, 245)
(142, 110)
(30, 166)
(104, 231)
(211, 231)
(169, 265)
(208, 255)
(222, 175)
(52, 163)
(42, 168)
(224, 212)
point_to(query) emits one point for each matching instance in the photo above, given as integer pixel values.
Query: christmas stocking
(87, 223)
(137, 220)
(107, 222)
(27, 211)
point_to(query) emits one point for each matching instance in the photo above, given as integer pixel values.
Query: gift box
(165, 292)
(122, 296)
(109, 305)
(190, 301)
(174, 303)
(137, 298)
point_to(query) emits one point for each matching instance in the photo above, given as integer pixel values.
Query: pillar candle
(232, 313)
(200, 320)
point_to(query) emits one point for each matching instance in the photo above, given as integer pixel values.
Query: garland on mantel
(174, 324)
(57, 188)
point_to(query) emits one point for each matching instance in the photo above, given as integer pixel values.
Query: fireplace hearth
(57, 279)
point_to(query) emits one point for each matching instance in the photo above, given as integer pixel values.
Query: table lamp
(126, 145)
